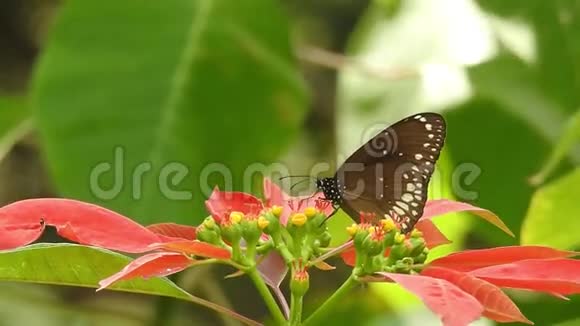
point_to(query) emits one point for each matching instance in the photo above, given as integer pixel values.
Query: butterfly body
(389, 175)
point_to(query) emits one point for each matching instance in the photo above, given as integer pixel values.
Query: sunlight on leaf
(569, 137)
(553, 206)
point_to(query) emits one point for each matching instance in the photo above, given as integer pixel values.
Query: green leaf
(556, 45)
(164, 101)
(76, 265)
(14, 122)
(504, 150)
(82, 266)
(569, 138)
(572, 322)
(551, 218)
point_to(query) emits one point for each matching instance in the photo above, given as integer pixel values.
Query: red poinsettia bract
(464, 286)
(172, 246)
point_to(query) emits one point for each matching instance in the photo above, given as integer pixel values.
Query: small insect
(389, 175)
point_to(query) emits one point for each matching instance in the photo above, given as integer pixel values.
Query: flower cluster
(264, 239)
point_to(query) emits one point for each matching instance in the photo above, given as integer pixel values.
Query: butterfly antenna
(298, 183)
(296, 176)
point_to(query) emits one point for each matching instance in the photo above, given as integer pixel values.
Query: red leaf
(221, 203)
(196, 248)
(561, 276)
(273, 195)
(157, 264)
(433, 237)
(75, 220)
(349, 256)
(453, 305)
(174, 231)
(473, 259)
(13, 236)
(273, 269)
(498, 306)
(443, 206)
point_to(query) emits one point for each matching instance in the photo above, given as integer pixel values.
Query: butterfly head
(330, 189)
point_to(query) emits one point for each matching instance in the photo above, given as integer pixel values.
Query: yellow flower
(298, 219)
(277, 210)
(399, 238)
(236, 217)
(352, 229)
(310, 212)
(263, 222)
(388, 224)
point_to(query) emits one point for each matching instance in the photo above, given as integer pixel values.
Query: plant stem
(295, 310)
(267, 296)
(328, 305)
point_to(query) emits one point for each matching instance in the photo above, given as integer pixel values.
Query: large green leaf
(505, 150)
(82, 266)
(555, 43)
(14, 122)
(569, 138)
(170, 95)
(76, 265)
(552, 215)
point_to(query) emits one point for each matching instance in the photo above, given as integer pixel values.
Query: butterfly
(389, 175)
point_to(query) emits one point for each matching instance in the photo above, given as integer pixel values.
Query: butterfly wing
(391, 172)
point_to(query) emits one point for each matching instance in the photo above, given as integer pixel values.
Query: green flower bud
(404, 265)
(389, 238)
(360, 234)
(399, 250)
(325, 239)
(372, 246)
(251, 232)
(208, 235)
(231, 233)
(300, 283)
(273, 223)
(420, 259)
(376, 264)
(417, 245)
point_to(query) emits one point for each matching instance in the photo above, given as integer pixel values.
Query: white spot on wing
(402, 205)
(398, 210)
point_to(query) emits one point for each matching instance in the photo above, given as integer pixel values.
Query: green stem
(282, 248)
(328, 305)
(267, 296)
(295, 310)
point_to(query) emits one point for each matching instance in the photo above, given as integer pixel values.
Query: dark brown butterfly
(389, 175)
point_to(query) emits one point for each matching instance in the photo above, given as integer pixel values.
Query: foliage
(244, 232)
(124, 94)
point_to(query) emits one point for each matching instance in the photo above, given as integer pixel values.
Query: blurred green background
(128, 88)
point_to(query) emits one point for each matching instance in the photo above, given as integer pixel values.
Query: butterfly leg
(336, 207)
